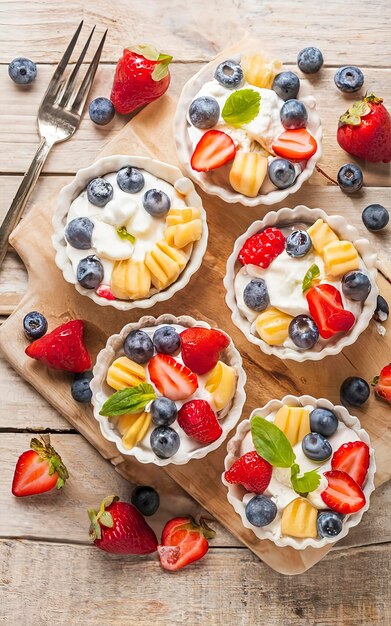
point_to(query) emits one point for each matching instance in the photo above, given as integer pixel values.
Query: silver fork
(58, 118)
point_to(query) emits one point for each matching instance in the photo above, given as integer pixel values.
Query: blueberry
(163, 411)
(382, 310)
(303, 331)
(350, 178)
(293, 114)
(156, 202)
(375, 217)
(316, 447)
(101, 111)
(138, 347)
(166, 340)
(310, 60)
(354, 391)
(78, 233)
(255, 295)
(356, 286)
(80, 389)
(22, 71)
(90, 272)
(35, 325)
(99, 192)
(349, 78)
(130, 179)
(146, 500)
(165, 442)
(261, 511)
(323, 421)
(298, 243)
(229, 74)
(282, 173)
(204, 112)
(329, 524)
(286, 85)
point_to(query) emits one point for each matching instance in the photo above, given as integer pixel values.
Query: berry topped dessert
(167, 391)
(299, 287)
(252, 126)
(300, 471)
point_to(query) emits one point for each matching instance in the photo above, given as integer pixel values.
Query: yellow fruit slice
(299, 519)
(165, 264)
(294, 421)
(248, 172)
(181, 216)
(221, 384)
(130, 280)
(272, 326)
(181, 235)
(321, 234)
(339, 258)
(136, 430)
(260, 71)
(124, 373)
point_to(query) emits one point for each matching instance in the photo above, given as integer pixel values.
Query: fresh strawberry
(365, 130)
(382, 383)
(201, 348)
(39, 469)
(141, 76)
(262, 248)
(352, 458)
(104, 292)
(326, 308)
(63, 348)
(213, 150)
(119, 528)
(183, 542)
(199, 421)
(295, 145)
(342, 494)
(172, 379)
(251, 471)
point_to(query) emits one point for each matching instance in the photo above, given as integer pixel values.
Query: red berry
(213, 150)
(342, 494)
(171, 378)
(199, 421)
(382, 384)
(63, 348)
(183, 542)
(326, 309)
(261, 249)
(251, 471)
(352, 458)
(38, 470)
(201, 348)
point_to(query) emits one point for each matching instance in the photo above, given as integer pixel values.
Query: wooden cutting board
(150, 134)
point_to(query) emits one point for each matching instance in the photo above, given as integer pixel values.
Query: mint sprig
(309, 481)
(129, 400)
(312, 275)
(241, 107)
(124, 234)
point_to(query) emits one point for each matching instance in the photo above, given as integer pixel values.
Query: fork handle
(22, 195)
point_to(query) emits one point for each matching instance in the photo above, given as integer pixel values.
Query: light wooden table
(50, 574)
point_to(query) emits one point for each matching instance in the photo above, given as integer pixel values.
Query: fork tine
(54, 84)
(69, 85)
(81, 96)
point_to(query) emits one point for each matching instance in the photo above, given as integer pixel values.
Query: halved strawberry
(38, 470)
(352, 458)
(183, 542)
(172, 379)
(251, 471)
(63, 348)
(326, 308)
(201, 348)
(213, 150)
(295, 145)
(199, 421)
(104, 292)
(342, 494)
(382, 383)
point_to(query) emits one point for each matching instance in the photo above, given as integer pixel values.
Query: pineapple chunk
(339, 258)
(272, 326)
(181, 216)
(299, 519)
(134, 430)
(260, 71)
(221, 384)
(181, 235)
(321, 234)
(294, 421)
(130, 280)
(124, 373)
(165, 264)
(248, 172)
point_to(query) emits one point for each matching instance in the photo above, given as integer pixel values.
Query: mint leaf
(312, 274)
(309, 481)
(241, 107)
(129, 400)
(271, 443)
(123, 234)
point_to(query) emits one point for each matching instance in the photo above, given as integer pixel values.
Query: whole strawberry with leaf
(141, 76)
(39, 469)
(365, 130)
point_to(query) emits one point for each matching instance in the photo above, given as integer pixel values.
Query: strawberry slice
(183, 542)
(213, 150)
(104, 292)
(201, 348)
(342, 494)
(172, 379)
(251, 471)
(326, 308)
(63, 348)
(199, 421)
(295, 145)
(352, 458)
(38, 470)
(382, 383)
